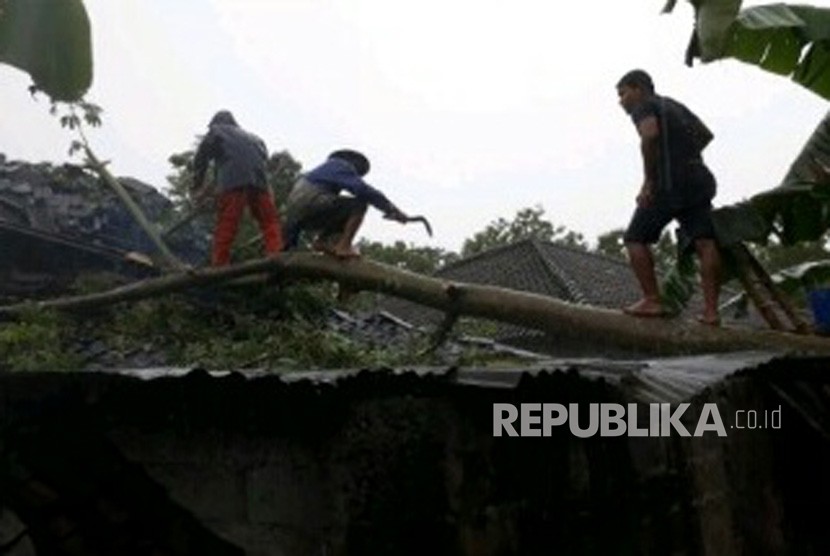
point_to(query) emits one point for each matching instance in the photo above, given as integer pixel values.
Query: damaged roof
(549, 269)
(57, 220)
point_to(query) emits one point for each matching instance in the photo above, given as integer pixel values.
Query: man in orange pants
(240, 159)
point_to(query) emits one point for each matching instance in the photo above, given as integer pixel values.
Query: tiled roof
(558, 271)
(70, 202)
(590, 278)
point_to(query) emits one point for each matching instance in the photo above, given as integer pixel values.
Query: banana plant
(713, 22)
(789, 40)
(797, 210)
(793, 41)
(796, 282)
(49, 40)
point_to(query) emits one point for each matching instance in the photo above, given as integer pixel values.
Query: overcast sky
(468, 109)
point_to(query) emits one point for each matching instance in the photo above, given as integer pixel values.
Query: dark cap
(355, 158)
(637, 78)
(223, 117)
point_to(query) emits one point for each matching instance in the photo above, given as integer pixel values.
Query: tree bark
(168, 260)
(605, 327)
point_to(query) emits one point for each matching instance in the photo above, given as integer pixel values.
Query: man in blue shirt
(315, 204)
(676, 185)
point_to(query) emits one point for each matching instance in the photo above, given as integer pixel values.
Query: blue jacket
(335, 175)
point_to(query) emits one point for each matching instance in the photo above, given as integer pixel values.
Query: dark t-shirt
(683, 178)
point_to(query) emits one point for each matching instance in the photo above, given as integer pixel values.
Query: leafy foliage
(713, 20)
(796, 211)
(787, 40)
(49, 40)
(777, 257)
(263, 326)
(528, 223)
(283, 171)
(421, 259)
(665, 250)
(678, 284)
(38, 341)
(790, 40)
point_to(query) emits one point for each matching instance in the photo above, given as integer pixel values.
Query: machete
(421, 219)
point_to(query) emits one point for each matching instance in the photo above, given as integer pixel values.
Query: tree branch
(604, 328)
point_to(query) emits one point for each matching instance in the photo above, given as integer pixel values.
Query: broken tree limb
(169, 260)
(451, 315)
(601, 327)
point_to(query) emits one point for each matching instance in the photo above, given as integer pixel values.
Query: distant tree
(283, 171)
(665, 250)
(424, 260)
(181, 180)
(529, 223)
(611, 244)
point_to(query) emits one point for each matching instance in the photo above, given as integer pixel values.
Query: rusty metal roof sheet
(664, 380)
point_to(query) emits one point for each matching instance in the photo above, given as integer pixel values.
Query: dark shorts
(648, 223)
(323, 213)
(327, 215)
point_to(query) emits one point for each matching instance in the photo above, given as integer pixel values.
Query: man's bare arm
(649, 130)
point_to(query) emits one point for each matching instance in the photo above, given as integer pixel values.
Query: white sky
(468, 109)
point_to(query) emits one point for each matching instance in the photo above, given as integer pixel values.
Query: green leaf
(713, 21)
(741, 222)
(787, 40)
(49, 40)
(678, 286)
(797, 210)
(796, 282)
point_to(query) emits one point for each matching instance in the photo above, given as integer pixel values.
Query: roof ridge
(558, 274)
(483, 254)
(595, 254)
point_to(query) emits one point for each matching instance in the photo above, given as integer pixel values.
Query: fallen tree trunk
(603, 327)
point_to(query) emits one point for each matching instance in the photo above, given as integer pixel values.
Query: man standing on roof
(240, 159)
(315, 204)
(676, 185)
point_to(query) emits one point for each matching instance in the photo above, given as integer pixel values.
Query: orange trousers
(230, 206)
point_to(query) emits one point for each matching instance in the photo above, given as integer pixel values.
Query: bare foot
(645, 308)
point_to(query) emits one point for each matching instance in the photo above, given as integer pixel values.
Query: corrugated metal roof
(664, 380)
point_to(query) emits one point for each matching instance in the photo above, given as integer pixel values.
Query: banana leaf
(713, 21)
(49, 40)
(678, 286)
(799, 208)
(789, 40)
(795, 282)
